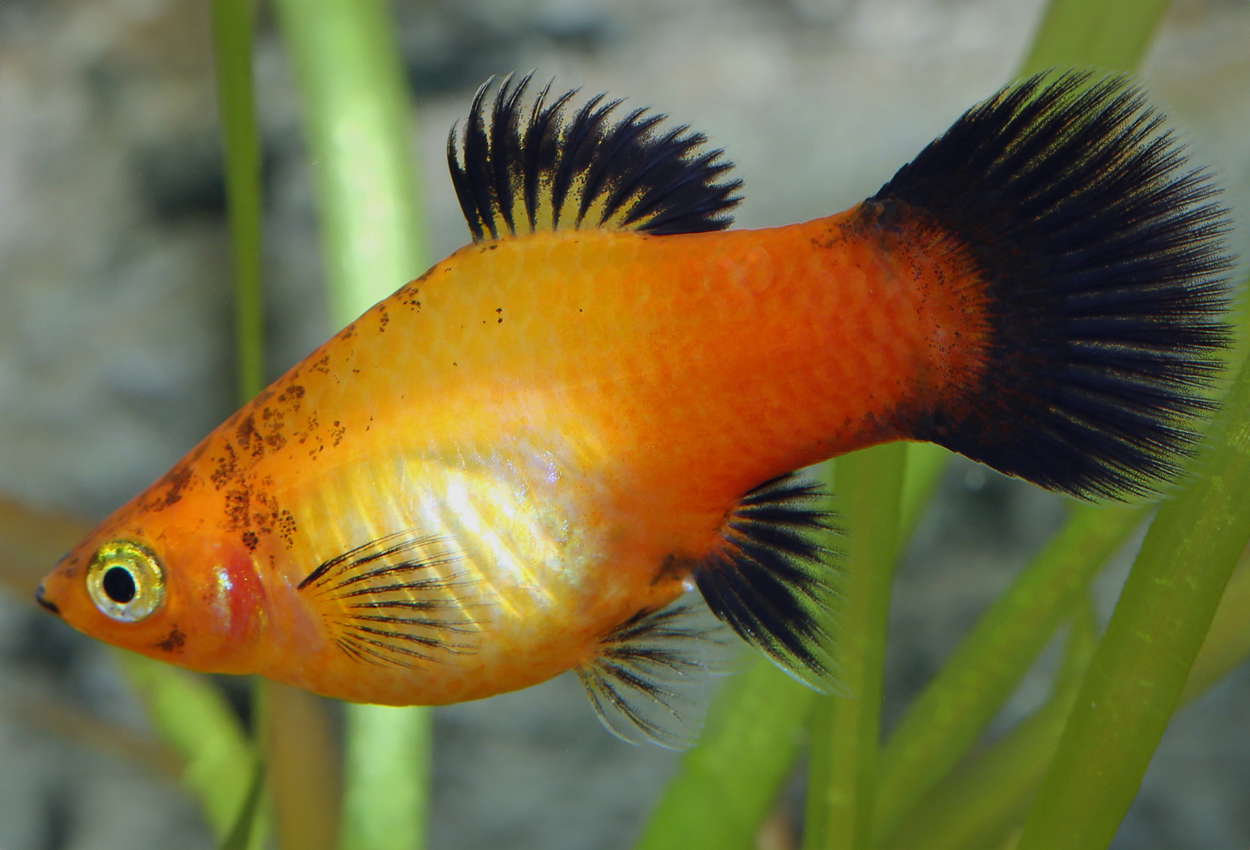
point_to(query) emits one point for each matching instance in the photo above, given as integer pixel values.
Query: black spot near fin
(649, 680)
(394, 601)
(518, 173)
(773, 580)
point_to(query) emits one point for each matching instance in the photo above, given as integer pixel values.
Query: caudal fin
(1101, 254)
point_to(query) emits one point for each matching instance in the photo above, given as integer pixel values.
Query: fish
(538, 456)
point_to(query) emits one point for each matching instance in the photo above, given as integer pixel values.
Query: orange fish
(516, 464)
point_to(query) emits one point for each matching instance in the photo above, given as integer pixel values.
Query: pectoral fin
(397, 600)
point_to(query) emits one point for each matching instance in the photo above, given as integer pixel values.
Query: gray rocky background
(115, 355)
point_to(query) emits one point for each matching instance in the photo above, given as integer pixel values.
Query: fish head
(144, 582)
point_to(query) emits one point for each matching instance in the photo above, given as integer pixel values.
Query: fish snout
(41, 597)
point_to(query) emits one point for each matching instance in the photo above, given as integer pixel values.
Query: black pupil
(119, 584)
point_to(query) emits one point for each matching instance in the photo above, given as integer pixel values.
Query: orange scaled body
(569, 416)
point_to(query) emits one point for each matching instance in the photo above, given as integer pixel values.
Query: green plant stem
(293, 726)
(194, 718)
(846, 728)
(388, 753)
(979, 676)
(1163, 614)
(232, 44)
(357, 122)
(925, 464)
(980, 802)
(727, 784)
(1228, 640)
(1108, 34)
(300, 752)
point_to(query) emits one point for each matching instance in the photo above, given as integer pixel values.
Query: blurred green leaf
(387, 777)
(1160, 621)
(845, 728)
(979, 676)
(188, 712)
(358, 123)
(248, 822)
(980, 802)
(193, 717)
(1109, 34)
(727, 783)
(232, 47)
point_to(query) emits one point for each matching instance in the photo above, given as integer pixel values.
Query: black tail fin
(1102, 255)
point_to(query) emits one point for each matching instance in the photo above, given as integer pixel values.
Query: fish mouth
(45, 602)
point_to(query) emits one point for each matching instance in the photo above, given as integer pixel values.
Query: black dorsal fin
(547, 171)
(650, 676)
(394, 601)
(773, 578)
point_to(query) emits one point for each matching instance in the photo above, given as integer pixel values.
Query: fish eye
(125, 581)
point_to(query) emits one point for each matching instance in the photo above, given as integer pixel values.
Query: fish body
(516, 463)
(555, 455)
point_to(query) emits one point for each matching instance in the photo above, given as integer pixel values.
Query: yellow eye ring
(125, 581)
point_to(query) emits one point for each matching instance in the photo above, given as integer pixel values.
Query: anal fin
(773, 578)
(650, 678)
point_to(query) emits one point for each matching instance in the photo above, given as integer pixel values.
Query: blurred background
(116, 353)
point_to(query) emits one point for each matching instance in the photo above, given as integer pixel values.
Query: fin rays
(647, 680)
(586, 171)
(1102, 257)
(770, 580)
(772, 577)
(389, 601)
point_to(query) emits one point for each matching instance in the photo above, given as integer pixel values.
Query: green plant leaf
(302, 760)
(232, 49)
(1108, 34)
(1227, 643)
(983, 800)
(727, 783)
(1164, 612)
(753, 734)
(191, 715)
(188, 712)
(358, 124)
(1113, 34)
(387, 777)
(945, 720)
(845, 728)
(926, 462)
(248, 821)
